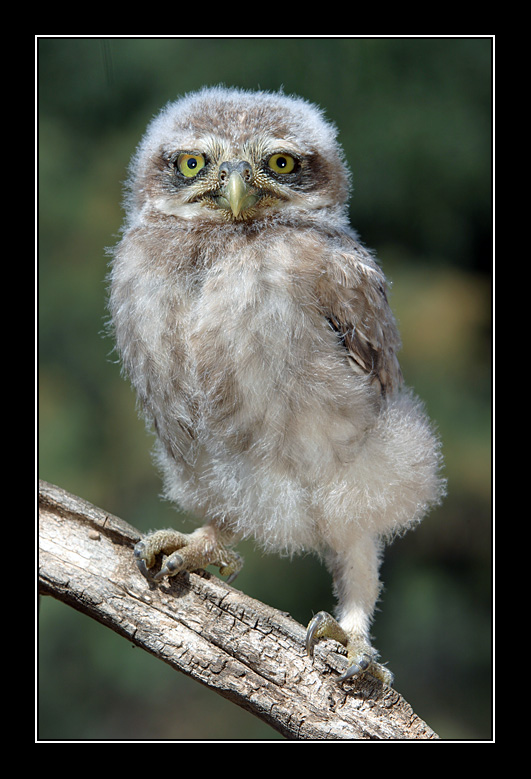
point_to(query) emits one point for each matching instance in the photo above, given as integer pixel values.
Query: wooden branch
(241, 648)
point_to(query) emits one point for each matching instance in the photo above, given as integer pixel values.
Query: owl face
(236, 183)
(234, 156)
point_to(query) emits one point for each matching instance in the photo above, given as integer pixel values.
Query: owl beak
(237, 194)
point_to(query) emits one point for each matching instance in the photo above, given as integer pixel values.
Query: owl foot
(361, 655)
(186, 552)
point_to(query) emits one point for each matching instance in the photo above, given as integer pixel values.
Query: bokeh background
(415, 121)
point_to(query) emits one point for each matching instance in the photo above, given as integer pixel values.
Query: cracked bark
(243, 649)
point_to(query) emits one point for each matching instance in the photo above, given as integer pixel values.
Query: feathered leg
(355, 572)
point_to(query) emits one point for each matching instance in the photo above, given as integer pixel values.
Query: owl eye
(282, 163)
(190, 164)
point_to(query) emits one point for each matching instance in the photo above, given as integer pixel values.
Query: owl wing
(353, 297)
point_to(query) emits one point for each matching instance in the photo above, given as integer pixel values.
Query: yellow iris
(281, 163)
(190, 164)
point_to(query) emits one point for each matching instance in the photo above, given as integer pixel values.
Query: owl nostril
(238, 166)
(246, 172)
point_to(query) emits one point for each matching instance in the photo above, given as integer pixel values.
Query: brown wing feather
(353, 296)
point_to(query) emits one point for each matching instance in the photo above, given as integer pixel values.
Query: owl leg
(188, 552)
(356, 582)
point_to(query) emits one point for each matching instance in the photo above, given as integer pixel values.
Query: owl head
(229, 155)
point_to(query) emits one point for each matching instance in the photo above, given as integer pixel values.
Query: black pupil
(191, 163)
(282, 162)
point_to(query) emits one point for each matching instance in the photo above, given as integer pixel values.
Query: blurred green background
(415, 120)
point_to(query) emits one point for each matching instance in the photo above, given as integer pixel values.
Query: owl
(256, 330)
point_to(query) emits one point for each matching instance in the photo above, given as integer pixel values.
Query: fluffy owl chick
(257, 333)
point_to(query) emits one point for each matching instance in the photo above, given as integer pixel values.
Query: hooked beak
(237, 193)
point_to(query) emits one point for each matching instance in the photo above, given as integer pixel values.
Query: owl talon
(140, 557)
(231, 566)
(355, 668)
(323, 625)
(173, 565)
(183, 552)
(142, 567)
(361, 656)
(231, 577)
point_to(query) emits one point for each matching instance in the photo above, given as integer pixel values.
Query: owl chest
(241, 332)
(229, 333)
(243, 358)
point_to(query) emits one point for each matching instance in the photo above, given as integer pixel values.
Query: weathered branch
(241, 648)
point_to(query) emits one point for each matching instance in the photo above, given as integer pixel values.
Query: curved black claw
(355, 668)
(231, 565)
(311, 636)
(141, 563)
(323, 625)
(231, 578)
(172, 566)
